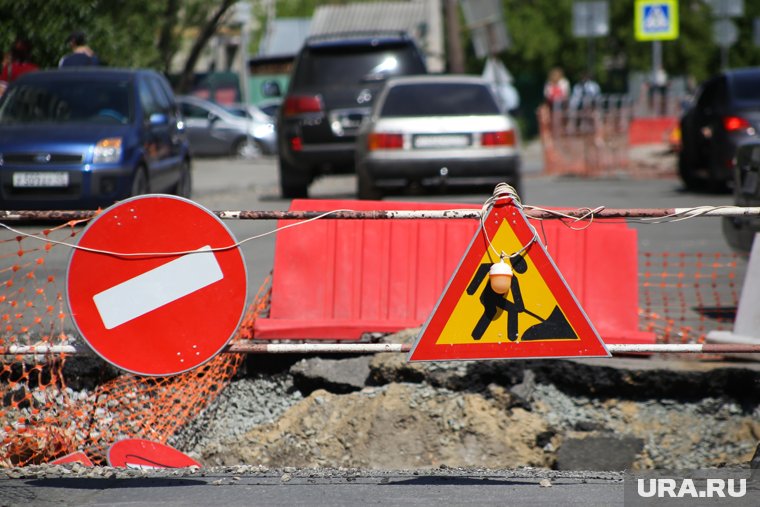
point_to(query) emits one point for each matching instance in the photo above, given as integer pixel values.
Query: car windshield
(67, 101)
(439, 99)
(338, 65)
(746, 89)
(250, 113)
(238, 111)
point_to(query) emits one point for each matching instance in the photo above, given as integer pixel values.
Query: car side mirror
(159, 119)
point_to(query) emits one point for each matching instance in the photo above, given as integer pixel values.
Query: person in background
(16, 62)
(584, 91)
(81, 54)
(557, 88)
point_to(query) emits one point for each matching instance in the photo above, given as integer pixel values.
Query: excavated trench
(381, 412)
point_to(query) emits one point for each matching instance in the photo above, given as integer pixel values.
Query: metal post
(724, 57)
(654, 105)
(257, 347)
(656, 56)
(456, 55)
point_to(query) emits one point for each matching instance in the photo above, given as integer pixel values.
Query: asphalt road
(322, 488)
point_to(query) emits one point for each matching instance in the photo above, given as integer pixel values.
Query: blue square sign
(656, 20)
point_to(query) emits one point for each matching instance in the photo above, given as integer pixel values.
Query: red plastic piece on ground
(145, 454)
(74, 457)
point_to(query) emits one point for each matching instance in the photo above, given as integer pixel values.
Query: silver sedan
(214, 129)
(436, 131)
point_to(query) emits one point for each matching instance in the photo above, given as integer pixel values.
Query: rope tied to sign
(504, 191)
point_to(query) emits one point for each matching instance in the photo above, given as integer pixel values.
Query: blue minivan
(87, 137)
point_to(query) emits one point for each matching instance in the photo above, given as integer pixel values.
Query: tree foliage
(134, 33)
(149, 33)
(541, 33)
(123, 33)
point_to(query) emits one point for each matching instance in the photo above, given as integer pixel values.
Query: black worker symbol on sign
(553, 327)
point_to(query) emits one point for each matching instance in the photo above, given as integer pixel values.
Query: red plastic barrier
(651, 130)
(338, 279)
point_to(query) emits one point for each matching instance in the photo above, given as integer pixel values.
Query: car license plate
(41, 179)
(442, 141)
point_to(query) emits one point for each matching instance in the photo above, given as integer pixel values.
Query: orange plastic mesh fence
(41, 418)
(593, 142)
(683, 296)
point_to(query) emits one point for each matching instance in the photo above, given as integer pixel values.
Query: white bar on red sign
(157, 287)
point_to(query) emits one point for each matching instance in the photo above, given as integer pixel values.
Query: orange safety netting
(594, 141)
(683, 296)
(41, 418)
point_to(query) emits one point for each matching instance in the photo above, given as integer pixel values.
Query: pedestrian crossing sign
(539, 317)
(656, 20)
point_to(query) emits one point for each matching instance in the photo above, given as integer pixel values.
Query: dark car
(333, 84)
(85, 138)
(740, 231)
(724, 114)
(436, 130)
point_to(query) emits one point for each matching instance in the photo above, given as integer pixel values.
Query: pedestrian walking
(81, 54)
(16, 63)
(557, 88)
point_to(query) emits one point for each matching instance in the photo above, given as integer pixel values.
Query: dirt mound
(569, 415)
(394, 426)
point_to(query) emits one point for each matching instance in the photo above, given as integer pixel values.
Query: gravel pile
(244, 404)
(677, 435)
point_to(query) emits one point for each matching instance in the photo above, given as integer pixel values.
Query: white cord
(502, 190)
(167, 254)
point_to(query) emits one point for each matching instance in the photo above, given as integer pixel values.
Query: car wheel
(246, 148)
(140, 184)
(366, 188)
(717, 182)
(686, 171)
(291, 187)
(184, 186)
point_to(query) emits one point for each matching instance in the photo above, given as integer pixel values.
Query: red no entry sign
(156, 314)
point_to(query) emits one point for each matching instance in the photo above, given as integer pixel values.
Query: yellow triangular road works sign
(538, 318)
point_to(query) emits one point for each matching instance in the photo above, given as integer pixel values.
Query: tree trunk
(207, 31)
(166, 45)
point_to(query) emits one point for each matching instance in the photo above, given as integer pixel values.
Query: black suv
(740, 231)
(333, 84)
(725, 114)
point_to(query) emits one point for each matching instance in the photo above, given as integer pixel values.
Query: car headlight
(107, 151)
(259, 131)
